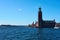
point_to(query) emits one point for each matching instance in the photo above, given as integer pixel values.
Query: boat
(56, 27)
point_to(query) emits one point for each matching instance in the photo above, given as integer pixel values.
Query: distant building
(57, 25)
(33, 24)
(44, 23)
(36, 24)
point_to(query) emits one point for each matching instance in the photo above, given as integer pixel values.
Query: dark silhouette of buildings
(44, 23)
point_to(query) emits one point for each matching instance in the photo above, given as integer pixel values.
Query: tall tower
(40, 18)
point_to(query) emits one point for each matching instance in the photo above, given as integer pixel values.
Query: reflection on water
(39, 34)
(27, 33)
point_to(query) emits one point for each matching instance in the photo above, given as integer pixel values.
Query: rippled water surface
(28, 33)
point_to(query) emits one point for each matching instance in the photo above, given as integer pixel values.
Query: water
(28, 33)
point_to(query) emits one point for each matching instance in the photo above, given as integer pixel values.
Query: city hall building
(44, 23)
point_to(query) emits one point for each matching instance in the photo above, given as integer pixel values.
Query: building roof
(49, 21)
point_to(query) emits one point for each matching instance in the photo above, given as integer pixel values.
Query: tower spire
(40, 9)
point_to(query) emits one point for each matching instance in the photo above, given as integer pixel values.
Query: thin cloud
(19, 9)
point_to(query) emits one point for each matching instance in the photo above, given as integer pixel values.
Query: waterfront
(28, 33)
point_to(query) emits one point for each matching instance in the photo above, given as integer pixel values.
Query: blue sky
(23, 12)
